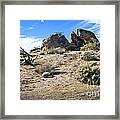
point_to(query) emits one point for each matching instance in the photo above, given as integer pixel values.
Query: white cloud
(22, 36)
(29, 43)
(30, 28)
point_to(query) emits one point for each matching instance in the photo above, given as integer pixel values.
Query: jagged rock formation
(74, 38)
(82, 38)
(54, 41)
(85, 35)
(77, 41)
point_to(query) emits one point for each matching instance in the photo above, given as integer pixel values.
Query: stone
(82, 38)
(74, 38)
(54, 41)
(46, 75)
(86, 35)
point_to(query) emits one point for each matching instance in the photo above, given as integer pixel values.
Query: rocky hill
(62, 70)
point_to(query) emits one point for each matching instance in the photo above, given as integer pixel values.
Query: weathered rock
(47, 75)
(82, 38)
(74, 38)
(87, 36)
(54, 41)
(71, 47)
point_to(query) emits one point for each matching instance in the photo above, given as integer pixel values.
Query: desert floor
(63, 85)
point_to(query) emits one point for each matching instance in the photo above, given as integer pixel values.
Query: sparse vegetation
(90, 46)
(60, 70)
(56, 51)
(44, 68)
(89, 73)
(90, 56)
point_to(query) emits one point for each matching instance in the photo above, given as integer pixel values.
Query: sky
(32, 32)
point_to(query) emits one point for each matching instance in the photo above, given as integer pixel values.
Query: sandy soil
(64, 85)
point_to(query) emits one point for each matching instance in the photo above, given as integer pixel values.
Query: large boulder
(86, 36)
(76, 42)
(82, 38)
(54, 41)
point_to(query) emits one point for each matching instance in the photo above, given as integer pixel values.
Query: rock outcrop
(54, 41)
(87, 36)
(82, 38)
(74, 38)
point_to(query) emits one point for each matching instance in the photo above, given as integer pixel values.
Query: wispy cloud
(29, 43)
(22, 36)
(91, 25)
(30, 28)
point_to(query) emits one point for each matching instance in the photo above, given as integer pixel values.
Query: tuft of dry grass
(44, 68)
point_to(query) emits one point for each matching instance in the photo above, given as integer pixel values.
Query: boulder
(86, 36)
(77, 41)
(74, 38)
(47, 75)
(54, 41)
(82, 38)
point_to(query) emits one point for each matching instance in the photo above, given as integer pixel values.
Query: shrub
(90, 56)
(90, 46)
(89, 73)
(57, 50)
(44, 68)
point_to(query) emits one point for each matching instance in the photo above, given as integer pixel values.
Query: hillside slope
(60, 70)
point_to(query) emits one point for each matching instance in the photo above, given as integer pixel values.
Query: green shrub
(90, 46)
(89, 73)
(90, 56)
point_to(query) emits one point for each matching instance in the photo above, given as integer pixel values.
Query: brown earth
(62, 85)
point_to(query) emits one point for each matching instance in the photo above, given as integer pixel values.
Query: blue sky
(32, 32)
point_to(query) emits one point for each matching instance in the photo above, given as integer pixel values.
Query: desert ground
(60, 82)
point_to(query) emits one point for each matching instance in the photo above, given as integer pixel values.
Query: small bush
(89, 73)
(90, 46)
(44, 68)
(57, 50)
(90, 56)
